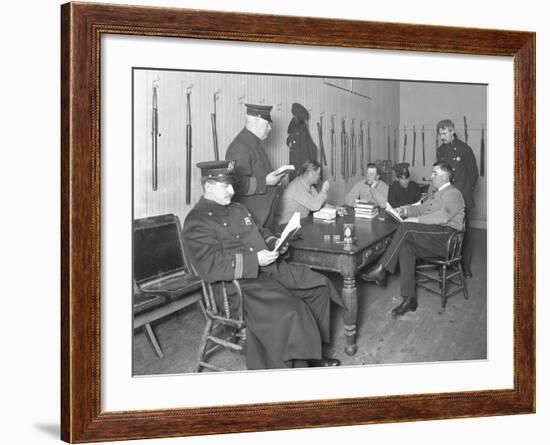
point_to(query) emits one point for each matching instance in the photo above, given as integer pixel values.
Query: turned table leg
(349, 295)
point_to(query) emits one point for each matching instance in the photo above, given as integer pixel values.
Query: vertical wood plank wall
(234, 91)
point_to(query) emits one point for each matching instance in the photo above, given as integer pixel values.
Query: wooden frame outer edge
(81, 27)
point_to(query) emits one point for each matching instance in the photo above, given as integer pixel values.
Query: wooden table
(372, 237)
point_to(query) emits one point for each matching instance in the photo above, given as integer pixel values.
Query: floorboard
(460, 333)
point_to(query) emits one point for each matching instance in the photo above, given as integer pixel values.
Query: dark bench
(163, 283)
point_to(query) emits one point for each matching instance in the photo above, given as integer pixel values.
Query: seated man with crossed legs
(423, 234)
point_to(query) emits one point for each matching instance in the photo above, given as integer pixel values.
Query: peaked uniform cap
(221, 171)
(263, 111)
(401, 169)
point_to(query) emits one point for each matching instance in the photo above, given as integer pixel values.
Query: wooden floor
(423, 336)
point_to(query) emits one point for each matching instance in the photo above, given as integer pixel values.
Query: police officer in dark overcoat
(258, 188)
(461, 158)
(286, 307)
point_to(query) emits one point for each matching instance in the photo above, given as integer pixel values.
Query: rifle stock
(423, 148)
(154, 141)
(188, 147)
(321, 142)
(404, 143)
(414, 144)
(332, 147)
(215, 136)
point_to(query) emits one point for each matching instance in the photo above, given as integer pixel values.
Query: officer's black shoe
(376, 275)
(408, 304)
(324, 362)
(468, 273)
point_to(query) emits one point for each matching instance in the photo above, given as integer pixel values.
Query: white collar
(447, 184)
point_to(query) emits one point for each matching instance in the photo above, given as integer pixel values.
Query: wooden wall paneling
(279, 91)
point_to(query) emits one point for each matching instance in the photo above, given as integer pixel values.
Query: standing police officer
(463, 164)
(258, 187)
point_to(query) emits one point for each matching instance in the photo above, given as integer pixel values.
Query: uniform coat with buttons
(461, 158)
(399, 196)
(252, 166)
(286, 307)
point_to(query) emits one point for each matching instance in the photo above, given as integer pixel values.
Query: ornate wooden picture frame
(82, 26)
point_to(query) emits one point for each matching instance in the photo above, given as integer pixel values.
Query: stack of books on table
(365, 210)
(326, 214)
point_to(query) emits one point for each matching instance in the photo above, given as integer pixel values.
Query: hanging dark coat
(300, 144)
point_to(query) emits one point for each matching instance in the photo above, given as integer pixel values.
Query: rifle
(353, 149)
(404, 143)
(395, 148)
(369, 146)
(389, 145)
(344, 156)
(154, 136)
(465, 130)
(214, 131)
(332, 146)
(482, 154)
(414, 144)
(188, 146)
(361, 144)
(423, 148)
(321, 143)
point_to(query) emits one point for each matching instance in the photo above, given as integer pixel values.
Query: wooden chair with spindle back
(222, 304)
(448, 271)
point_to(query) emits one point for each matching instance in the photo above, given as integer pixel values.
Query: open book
(290, 229)
(284, 169)
(393, 213)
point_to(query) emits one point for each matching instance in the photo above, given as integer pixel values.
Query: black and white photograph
(286, 221)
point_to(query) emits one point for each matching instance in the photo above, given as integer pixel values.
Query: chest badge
(247, 221)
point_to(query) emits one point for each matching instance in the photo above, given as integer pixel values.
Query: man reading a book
(258, 186)
(286, 307)
(424, 233)
(301, 195)
(371, 190)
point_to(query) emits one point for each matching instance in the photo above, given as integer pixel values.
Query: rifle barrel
(154, 141)
(188, 147)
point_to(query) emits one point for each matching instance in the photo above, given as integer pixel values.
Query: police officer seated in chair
(286, 307)
(403, 191)
(423, 234)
